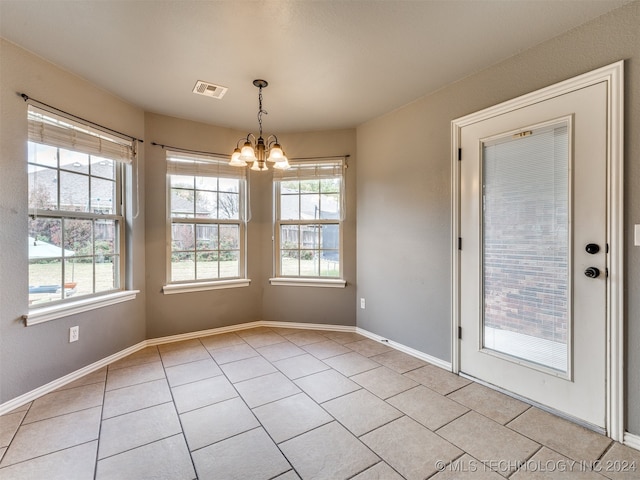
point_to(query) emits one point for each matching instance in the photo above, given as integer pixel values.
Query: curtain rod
(186, 150)
(27, 98)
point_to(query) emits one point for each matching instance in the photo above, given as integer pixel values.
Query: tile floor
(274, 403)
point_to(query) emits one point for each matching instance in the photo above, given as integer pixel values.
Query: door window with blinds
(309, 208)
(207, 205)
(76, 222)
(526, 245)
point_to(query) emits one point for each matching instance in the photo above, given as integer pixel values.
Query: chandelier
(257, 151)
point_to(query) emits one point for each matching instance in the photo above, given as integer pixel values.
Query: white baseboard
(408, 350)
(631, 440)
(73, 376)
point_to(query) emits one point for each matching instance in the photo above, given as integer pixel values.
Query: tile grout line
(260, 425)
(175, 408)
(104, 396)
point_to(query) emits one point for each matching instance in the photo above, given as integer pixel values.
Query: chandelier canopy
(258, 151)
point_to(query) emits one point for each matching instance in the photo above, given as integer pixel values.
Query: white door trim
(613, 75)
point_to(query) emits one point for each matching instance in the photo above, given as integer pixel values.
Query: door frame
(613, 75)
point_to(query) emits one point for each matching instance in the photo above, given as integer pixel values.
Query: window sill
(45, 314)
(203, 286)
(308, 282)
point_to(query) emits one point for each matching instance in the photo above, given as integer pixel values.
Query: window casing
(309, 213)
(76, 217)
(207, 219)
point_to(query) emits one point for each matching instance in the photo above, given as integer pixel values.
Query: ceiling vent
(209, 89)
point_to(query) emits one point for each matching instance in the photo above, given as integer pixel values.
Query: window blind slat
(179, 163)
(310, 170)
(50, 129)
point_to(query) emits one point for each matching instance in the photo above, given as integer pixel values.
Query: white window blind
(312, 169)
(180, 163)
(526, 246)
(51, 129)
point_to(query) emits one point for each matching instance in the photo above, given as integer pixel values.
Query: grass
(79, 273)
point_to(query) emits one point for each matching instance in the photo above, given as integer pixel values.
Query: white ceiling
(330, 64)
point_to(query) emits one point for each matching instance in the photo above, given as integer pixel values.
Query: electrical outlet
(362, 303)
(74, 334)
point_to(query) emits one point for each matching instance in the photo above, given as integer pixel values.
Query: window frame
(307, 280)
(195, 285)
(57, 130)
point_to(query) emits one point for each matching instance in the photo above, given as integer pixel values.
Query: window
(207, 219)
(76, 223)
(309, 205)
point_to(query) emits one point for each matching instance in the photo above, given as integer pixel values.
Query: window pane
(207, 265)
(74, 192)
(78, 237)
(43, 188)
(183, 267)
(289, 265)
(182, 203)
(289, 236)
(103, 167)
(228, 206)
(229, 264)
(290, 207)
(74, 161)
(310, 236)
(207, 237)
(43, 154)
(184, 181)
(309, 186)
(45, 280)
(105, 233)
(103, 196)
(309, 263)
(330, 206)
(229, 237)
(291, 186)
(229, 185)
(182, 236)
(45, 238)
(330, 263)
(207, 183)
(330, 185)
(206, 204)
(106, 273)
(78, 276)
(309, 206)
(330, 237)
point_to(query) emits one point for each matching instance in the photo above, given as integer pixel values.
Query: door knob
(592, 272)
(592, 248)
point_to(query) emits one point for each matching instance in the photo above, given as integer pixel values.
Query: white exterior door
(534, 254)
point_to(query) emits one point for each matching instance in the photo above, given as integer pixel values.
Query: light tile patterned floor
(275, 403)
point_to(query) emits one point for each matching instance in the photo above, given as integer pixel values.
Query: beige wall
(404, 207)
(33, 356)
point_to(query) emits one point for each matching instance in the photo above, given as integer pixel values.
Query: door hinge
(459, 154)
(460, 333)
(606, 272)
(459, 243)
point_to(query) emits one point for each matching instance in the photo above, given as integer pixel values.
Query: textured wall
(404, 195)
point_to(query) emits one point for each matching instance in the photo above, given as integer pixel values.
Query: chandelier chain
(260, 110)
